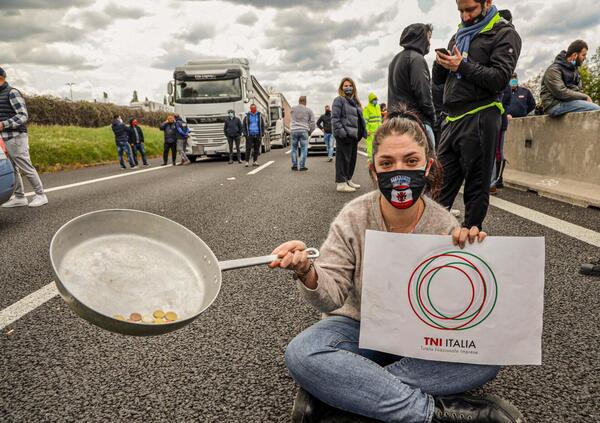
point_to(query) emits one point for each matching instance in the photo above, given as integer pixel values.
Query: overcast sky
(297, 47)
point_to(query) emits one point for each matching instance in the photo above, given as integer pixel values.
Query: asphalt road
(228, 365)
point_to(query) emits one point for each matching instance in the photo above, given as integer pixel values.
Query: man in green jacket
(373, 118)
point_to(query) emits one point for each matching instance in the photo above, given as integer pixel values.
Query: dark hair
(116, 116)
(402, 121)
(576, 47)
(2, 73)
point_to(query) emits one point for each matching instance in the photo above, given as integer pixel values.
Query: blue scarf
(465, 34)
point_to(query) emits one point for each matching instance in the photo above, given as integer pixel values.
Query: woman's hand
(293, 256)
(461, 235)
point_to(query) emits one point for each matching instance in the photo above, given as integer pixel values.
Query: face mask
(374, 102)
(231, 115)
(514, 83)
(348, 90)
(574, 62)
(402, 188)
(253, 109)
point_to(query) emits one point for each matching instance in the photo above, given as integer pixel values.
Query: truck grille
(207, 133)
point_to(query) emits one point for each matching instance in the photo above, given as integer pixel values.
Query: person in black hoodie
(233, 130)
(409, 81)
(483, 55)
(324, 124)
(122, 141)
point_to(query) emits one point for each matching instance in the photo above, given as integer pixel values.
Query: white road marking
(106, 178)
(19, 309)
(258, 169)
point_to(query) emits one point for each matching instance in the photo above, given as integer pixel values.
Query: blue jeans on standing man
(328, 138)
(299, 137)
(572, 107)
(326, 361)
(142, 150)
(124, 147)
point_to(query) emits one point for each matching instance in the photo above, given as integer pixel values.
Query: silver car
(7, 174)
(316, 142)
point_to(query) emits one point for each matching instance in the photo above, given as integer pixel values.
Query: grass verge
(55, 148)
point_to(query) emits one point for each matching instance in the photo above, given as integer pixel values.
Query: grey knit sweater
(339, 268)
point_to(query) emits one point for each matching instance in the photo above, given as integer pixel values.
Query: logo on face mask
(402, 195)
(402, 188)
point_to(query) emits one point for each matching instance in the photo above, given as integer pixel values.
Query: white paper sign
(424, 298)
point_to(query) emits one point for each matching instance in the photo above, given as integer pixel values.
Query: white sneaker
(353, 185)
(343, 187)
(455, 212)
(39, 200)
(15, 202)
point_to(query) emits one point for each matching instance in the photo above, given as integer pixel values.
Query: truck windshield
(275, 113)
(219, 91)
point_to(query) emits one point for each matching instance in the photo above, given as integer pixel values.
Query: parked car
(316, 142)
(7, 174)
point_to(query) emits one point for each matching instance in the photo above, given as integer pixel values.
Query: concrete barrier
(556, 157)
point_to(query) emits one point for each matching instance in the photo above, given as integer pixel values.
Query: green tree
(135, 97)
(590, 76)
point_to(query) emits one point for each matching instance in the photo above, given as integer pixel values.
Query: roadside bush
(46, 110)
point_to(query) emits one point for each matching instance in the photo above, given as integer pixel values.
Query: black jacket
(170, 130)
(493, 56)
(324, 123)
(261, 125)
(121, 131)
(347, 120)
(561, 83)
(140, 135)
(409, 80)
(521, 102)
(233, 127)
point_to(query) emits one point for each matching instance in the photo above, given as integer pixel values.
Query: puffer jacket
(347, 120)
(121, 131)
(561, 83)
(409, 81)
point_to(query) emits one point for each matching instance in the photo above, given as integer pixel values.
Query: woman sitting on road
(325, 360)
(348, 128)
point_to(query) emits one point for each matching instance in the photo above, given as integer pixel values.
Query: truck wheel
(192, 158)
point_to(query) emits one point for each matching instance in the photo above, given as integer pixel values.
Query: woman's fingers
(473, 234)
(482, 235)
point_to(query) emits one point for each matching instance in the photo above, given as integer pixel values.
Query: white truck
(204, 91)
(281, 112)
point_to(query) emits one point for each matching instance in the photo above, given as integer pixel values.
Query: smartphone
(443, 51)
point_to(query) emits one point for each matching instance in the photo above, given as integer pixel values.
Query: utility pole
(70, 84)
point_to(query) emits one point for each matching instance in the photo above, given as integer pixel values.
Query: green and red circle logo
(471, 299)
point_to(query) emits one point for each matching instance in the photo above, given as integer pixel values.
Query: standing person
(122, 141)
(521, 99)
(437, 94)
(562, 89)
(170, 133)
(349, 128)
(254, 130)
(303, 124)
(409, 80)
(324, 124)
(183, 132)
(498, 168)
(136, 140)
(325, 359)
(384, 111)
(373, 119)
(13, 130)
(484, 54)
(233, 131)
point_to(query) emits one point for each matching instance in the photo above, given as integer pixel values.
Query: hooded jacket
(492, 58)
(409, 80)
(372, 115)
(561, 83)
(121, 131)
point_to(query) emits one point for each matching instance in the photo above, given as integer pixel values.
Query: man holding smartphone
(483, 56)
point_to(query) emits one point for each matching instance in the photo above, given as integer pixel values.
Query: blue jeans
(299, 137)
(328, 138)
(572, 107)
(124, 147)
(325, 360)
(139, 147)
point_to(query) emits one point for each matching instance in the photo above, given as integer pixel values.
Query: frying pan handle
(313, 253)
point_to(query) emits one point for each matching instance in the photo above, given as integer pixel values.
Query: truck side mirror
(170, 88)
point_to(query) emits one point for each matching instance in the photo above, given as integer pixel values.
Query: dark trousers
(123, 148)
(170, 146)
(346, 150)
(467, 152)
(139, 147)
(231, 141)
(252, 145)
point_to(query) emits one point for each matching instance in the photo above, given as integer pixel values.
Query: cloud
(177, 55)
(42, 4)
(287, 4)
(426, 5)
(49, 56)
(197, 33)
(248, 18)
(569, 18)
(93, 20)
